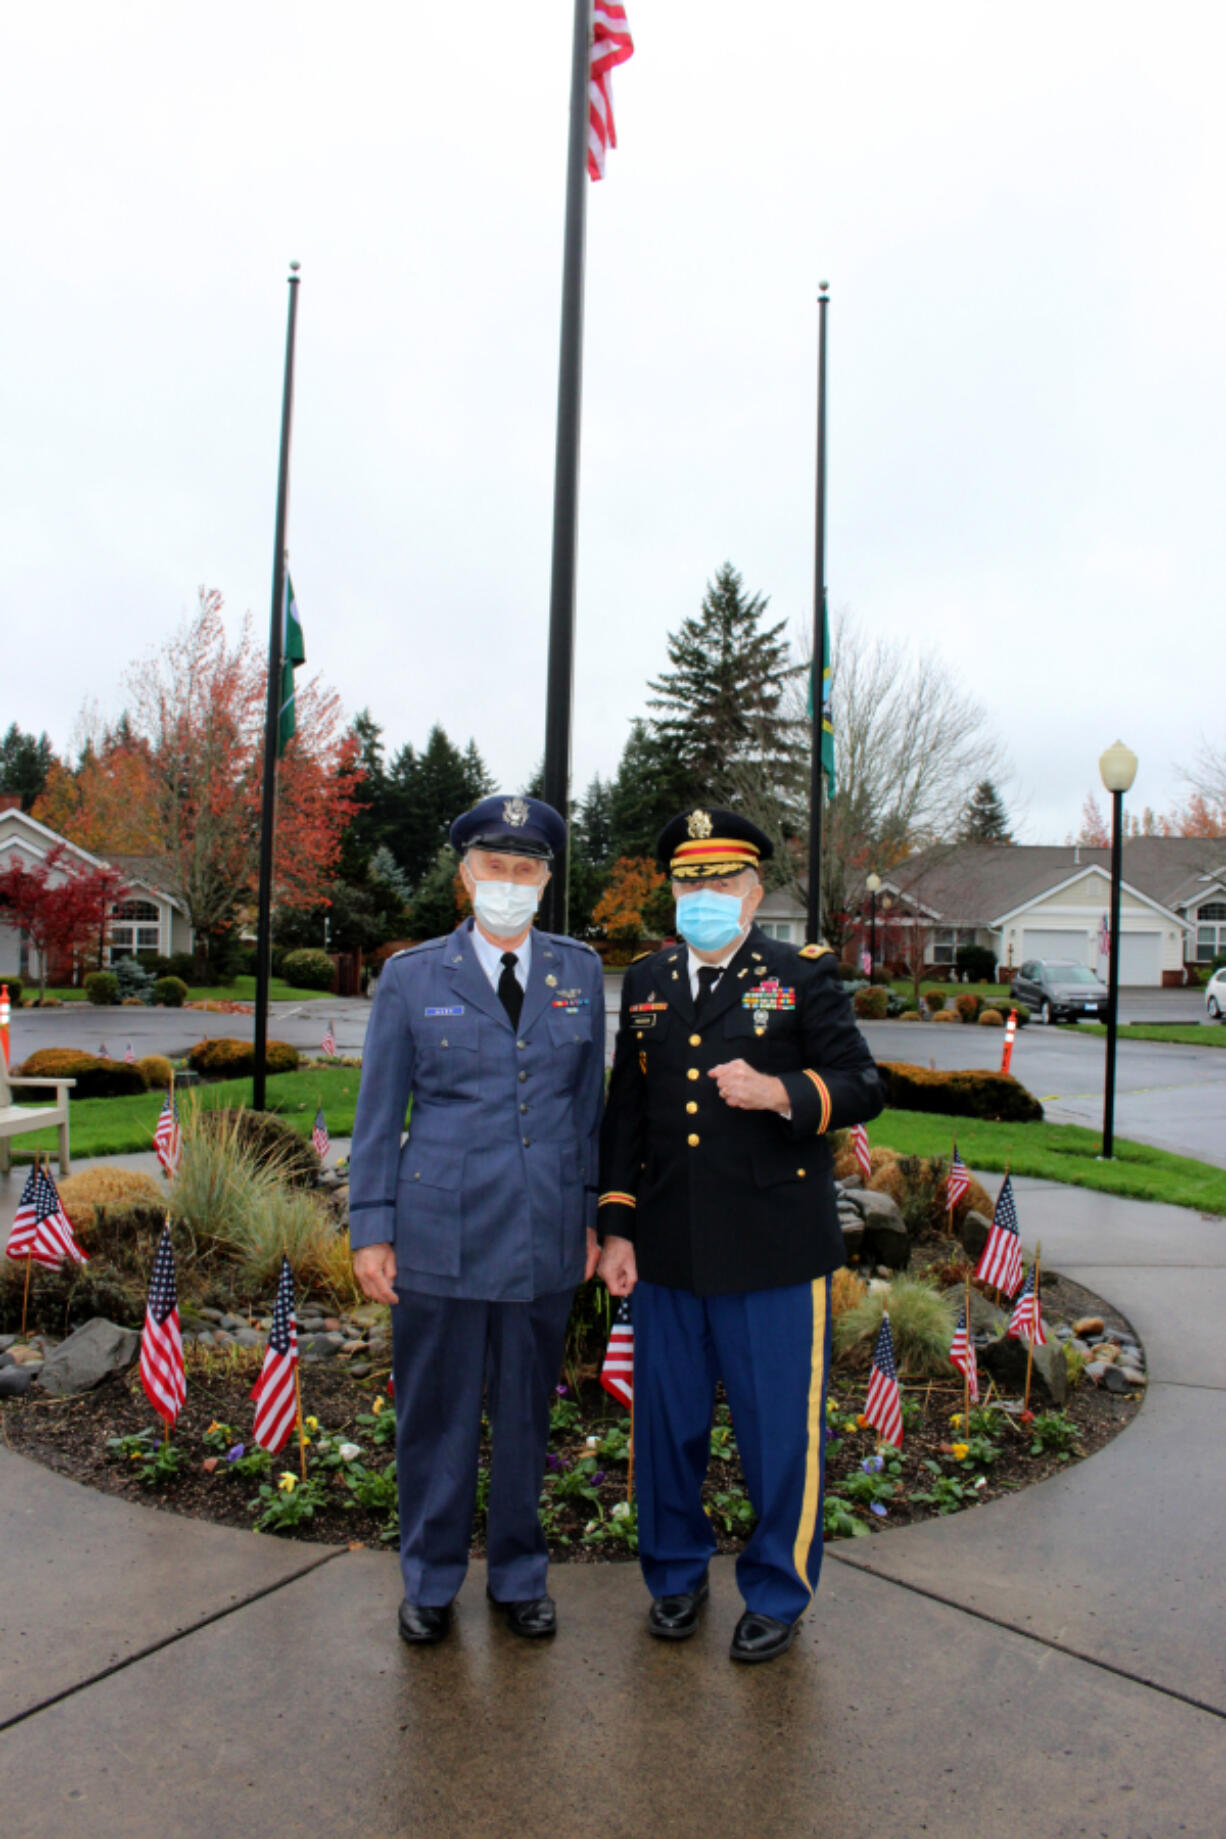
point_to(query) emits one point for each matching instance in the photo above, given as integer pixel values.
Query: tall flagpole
(268, 815)
(813, 928)
(560, 683)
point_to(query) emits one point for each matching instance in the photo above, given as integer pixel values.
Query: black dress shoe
(422, 1623)
(760, 1637)
(535, 1618)
(675, 1618)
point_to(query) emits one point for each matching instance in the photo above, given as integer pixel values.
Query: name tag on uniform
(459, 1010)
(643, 1015)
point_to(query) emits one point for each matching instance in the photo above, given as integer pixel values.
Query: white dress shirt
(697, 964)
(489, 957)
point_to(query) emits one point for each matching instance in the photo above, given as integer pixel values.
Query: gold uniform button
(692, 1106)
(801, 1174)
(693, 1073)
(695, 1040)
(693, 1141)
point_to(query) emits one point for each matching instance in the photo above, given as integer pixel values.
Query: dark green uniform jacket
(715, 1198)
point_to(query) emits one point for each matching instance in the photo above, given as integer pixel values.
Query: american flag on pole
(611, 45)
(1104, 938)
(161, 1345)
(168, 1138)
(328, 1044)
(274, 1392)
(102, 1053)
(129, 1058)
(957, 1181)
(962, 1355)
(860, 1150)
(41, 1229)
(1026, 1322)
(320, 1139)
(617, 1373)
(1000, 1262)
(883, 1406)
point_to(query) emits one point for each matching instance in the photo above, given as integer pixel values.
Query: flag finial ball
(294, 267)
(824, 286)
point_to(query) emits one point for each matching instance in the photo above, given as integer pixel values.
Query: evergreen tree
(984, 818)
(721, 705)
(435, 909)
(24, 764)
(588, 855)
(651, 785)
(426, 792)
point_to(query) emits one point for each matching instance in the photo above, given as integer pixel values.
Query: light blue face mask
(709, 921)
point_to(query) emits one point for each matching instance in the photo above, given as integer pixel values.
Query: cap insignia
(699, 824)
(515, 812)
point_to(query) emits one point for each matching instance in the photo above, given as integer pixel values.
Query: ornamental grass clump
(921, 1322)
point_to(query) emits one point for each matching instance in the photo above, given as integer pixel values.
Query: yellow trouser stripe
(809, 1527)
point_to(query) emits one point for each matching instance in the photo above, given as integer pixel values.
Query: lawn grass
(1184, 1034)
(124, 1126)
(1058, 1152)
(905, 988)
(242, 990)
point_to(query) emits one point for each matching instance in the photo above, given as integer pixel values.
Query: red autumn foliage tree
(626, 902)
(62, 907)
(109, 803)
(199, 707)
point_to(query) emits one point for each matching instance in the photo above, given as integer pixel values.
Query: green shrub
(933, 1000)
(95, 1078)
(966, 1004)
(134, 979)
(178, 964)
(275, 1144)
(102, 988)
(170, 992)
(308, 970)
(1022, 1012)
(871, 1005)
(15, 987)
(157, 1070)
(991, 1018)
(978, 962)
(961, 1094)
(910, 1015)
(921, 1323)
(945, 1015)
(226, 1058)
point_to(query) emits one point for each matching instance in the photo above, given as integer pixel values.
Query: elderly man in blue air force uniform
(735, 1055)
(478, 1230)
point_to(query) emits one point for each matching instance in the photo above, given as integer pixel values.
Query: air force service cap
(517, 826)
(704, 843)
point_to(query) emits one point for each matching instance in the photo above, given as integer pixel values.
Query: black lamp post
(872, 883)
(1118, 767)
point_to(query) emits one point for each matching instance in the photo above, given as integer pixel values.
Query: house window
(1210, 939)
(777, 929)
(946, 940)
(134, 928)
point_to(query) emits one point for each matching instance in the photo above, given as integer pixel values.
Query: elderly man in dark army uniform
(478, 1230)
(735, 1055)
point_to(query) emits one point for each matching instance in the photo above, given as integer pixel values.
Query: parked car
(1215, 996)
(1061, 992)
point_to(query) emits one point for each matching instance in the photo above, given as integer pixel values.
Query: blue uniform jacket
(490, 1196)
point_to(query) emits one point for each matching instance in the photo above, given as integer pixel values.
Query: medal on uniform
(552, 981)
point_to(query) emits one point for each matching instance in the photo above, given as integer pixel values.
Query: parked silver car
(1061, 992)
(1215, 996)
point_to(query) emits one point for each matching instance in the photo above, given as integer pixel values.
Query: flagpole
(966, 1371)
(630, 1466)
(301, 1428)
(1038, 1255)
(559, 689)
(268, 813)
(813, 930)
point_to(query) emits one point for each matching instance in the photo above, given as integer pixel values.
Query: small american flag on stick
(41, 1229)
(129, 1058)
(611, 45)
(161, 1345)
(1000, 1262)
(1026, 1322)
(962, 1355)
(617, 1373)
(168, 1138)
(328, 1044)
(860, 1150)
(320, 1139)
(276, 1391)
(957, 1182)
(883, 1406)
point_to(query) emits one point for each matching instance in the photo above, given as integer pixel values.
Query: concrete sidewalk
(1054, 1660)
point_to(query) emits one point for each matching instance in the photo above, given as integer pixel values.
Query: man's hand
(746, 1090)
(618, 1269)
(374, 1266)
(593, 1254)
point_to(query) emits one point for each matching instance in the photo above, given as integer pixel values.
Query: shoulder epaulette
(640, 955)
(411, 951)
(817, 951)
(564, 938)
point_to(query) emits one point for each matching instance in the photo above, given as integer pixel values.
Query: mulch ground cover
(350, 1497)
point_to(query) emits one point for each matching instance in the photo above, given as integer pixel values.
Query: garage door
(1140, 958)
(1072, 947)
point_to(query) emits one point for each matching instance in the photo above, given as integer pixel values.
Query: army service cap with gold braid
(706, 843)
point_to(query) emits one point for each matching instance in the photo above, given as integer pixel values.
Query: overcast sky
(1020, 215)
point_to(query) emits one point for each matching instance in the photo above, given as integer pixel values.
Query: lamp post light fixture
(1118, 767)
(872, 883)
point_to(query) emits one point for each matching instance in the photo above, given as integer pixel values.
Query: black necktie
(708, 976)
(510, 995)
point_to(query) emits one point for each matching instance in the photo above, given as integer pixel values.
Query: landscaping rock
(986, 1318)
(1132, 1374)
(319, 1347)
(89, 1356)
(1096, 1370)
(853, 1238)
(15, 1379)
(26, 1356)
(1105, 1350)
(249, 1337)
(1115, 1379)
(360, 1370)
(973, 1232)
(7, 1341)
(210, 1315)
(233, 1323)
(889, 1242)
(1090, 1327)
(1005, 1361)
(872, 1206)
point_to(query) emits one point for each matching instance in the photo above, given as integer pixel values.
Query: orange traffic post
(6, 1016)
(1006, 1058)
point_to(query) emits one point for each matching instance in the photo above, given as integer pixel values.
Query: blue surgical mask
(709, 921)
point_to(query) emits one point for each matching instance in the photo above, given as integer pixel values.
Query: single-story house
(151, 918)
(1028, 901)
(781, 916)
